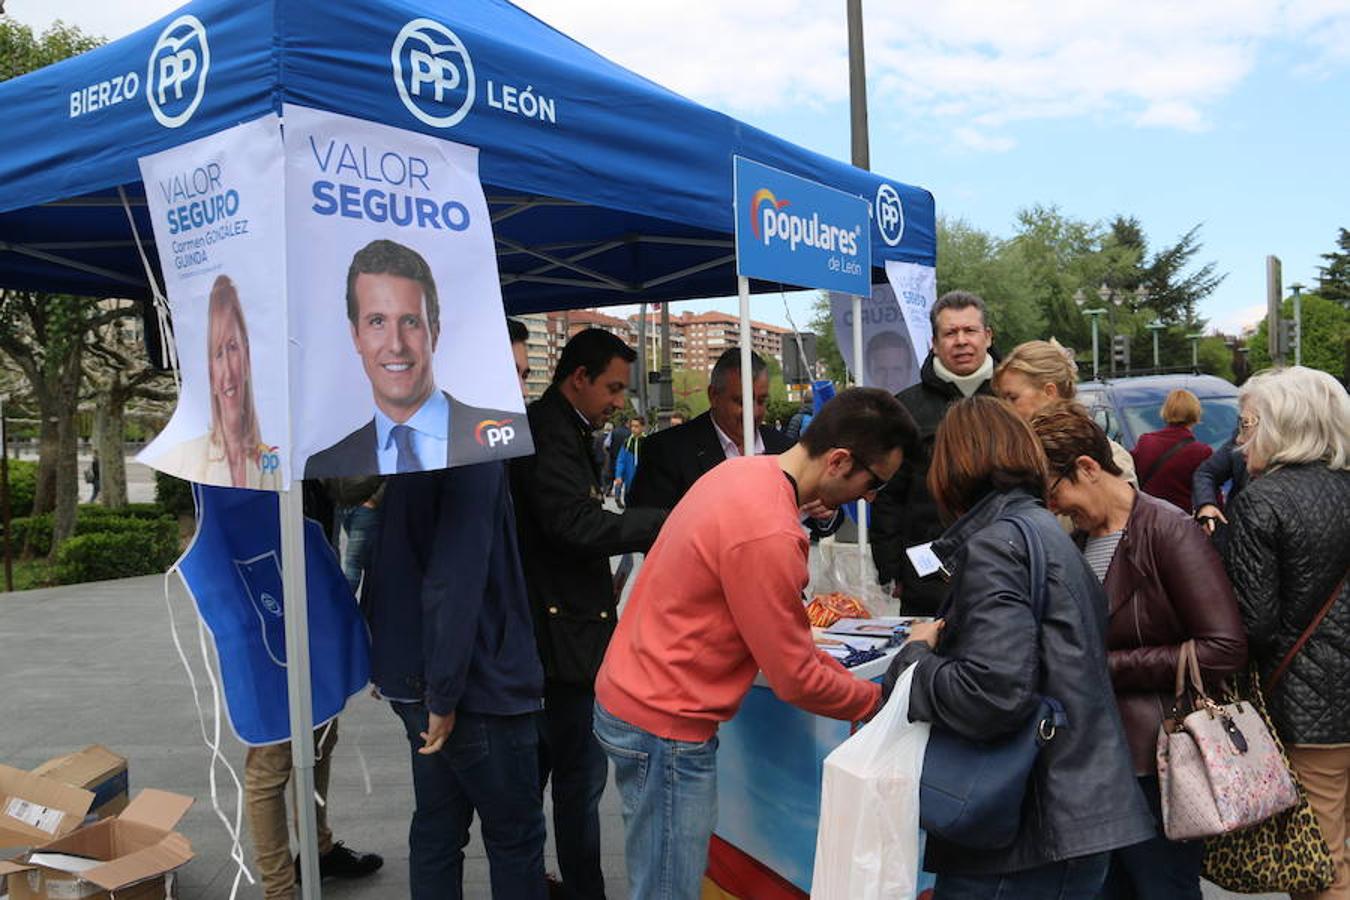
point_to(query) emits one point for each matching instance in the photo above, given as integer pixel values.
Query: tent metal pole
(747, 376)
(295, 598)
(644, 363)
(858, 369)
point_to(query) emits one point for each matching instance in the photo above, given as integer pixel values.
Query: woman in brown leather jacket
(1165, 585)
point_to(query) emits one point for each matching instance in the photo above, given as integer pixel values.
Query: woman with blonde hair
(232, 451)
(1288, 553)
(1166, 459)
(1039, 373)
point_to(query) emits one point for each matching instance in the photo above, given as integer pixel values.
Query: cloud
(977, 140)
(969, 69)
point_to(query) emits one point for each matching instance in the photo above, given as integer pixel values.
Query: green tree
(46, 335)
(827, 345)
(21, 51)
(973, 260)
(1326, 332)
(1333, 279)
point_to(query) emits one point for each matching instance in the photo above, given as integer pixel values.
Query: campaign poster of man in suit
(398, 358)
(393, 309)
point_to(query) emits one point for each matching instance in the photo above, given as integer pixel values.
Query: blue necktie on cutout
(407, 460)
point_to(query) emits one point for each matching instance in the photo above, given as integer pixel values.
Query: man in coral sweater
(719, 598)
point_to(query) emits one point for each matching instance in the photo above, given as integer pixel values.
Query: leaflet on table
(882, 627)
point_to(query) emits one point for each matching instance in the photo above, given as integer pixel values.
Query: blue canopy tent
(615, 190)
(605, 188)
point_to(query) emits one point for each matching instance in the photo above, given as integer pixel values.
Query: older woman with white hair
(1287, 558)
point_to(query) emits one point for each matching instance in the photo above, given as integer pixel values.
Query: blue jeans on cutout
(669, 793)
(1080, 878)
(359, 522)
(488, 764)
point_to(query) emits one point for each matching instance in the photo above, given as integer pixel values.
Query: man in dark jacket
(566, 540)
(904, 515)
(453, 651)
(673, 459)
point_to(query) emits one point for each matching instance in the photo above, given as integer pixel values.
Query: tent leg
(747, 375)
(858, 369)
(298, 686)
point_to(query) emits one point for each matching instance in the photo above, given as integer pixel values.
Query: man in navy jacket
(453, 651)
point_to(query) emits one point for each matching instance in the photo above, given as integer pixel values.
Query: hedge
(147, 518)
(110, 554)
(22, 486)
(174, 495)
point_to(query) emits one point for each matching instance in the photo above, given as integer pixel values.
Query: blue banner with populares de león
(796, 231)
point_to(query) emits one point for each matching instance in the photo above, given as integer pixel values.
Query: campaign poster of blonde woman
(221, 239)
(232, 451)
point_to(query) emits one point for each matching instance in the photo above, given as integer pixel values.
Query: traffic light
(1289, 337)
(1120, 352)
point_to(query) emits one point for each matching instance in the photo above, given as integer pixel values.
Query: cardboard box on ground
(130, 856)
(97, 769)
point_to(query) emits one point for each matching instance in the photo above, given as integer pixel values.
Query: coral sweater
(718, 598)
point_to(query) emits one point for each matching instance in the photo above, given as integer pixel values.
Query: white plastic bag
(867, 846)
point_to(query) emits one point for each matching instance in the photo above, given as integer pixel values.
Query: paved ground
(96, 664)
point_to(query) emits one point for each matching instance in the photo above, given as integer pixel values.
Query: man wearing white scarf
(959, 365)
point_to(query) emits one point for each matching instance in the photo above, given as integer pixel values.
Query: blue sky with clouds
(1231, 114)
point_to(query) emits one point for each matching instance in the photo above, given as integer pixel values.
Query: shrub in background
(174, 494)
(114, 554)
(22, 487)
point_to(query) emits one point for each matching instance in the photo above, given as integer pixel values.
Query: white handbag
(1219, 769)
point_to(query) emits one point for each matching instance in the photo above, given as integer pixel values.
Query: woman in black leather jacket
(1288, 552)
(981, 669)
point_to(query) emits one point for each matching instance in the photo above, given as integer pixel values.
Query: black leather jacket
(1288, 546)
(566, 540)
(984, 679)
(905, 513)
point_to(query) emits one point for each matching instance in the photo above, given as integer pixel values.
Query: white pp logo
(433, 72)
(175, 80)
(890, 214)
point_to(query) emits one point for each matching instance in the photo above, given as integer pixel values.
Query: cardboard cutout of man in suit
(394, 312)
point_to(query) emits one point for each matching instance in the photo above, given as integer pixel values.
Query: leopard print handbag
(1285, 853)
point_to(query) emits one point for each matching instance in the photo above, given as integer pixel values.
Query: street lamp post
(1195, 350)
(1094, 315)
(1155, 326)
(1298, 323)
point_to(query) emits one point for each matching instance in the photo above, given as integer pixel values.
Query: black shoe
(341, 862)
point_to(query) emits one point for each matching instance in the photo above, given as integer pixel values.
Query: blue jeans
(488, 764)
(570, 756)
(669, 793)
(360, 523)
(1157, 869)
(1080, 878)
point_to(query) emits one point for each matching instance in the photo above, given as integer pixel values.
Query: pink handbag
(1219, 770)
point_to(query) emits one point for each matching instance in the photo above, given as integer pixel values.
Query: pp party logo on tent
(175, 79)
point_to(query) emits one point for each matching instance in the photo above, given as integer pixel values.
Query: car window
(1217, 421)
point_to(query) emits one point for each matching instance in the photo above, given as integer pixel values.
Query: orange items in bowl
(826, 609)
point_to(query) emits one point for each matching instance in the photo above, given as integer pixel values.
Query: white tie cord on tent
(166, 341)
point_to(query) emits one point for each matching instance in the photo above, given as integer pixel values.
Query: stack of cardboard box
(126, 850)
